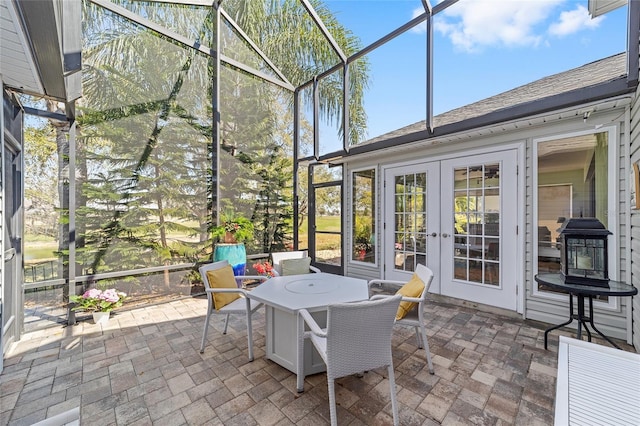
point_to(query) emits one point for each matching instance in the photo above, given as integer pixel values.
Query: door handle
(445, 235)
(434, 234)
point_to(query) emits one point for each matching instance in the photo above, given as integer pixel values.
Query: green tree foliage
(150, 182)
(41, 196)
(272, 25)
(257, 118)
(146, 130)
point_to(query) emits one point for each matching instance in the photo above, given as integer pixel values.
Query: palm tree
(148, 124)
(274, 24)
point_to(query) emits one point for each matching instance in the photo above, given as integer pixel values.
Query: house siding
(611, 321)
(354, 268)
(634, 218)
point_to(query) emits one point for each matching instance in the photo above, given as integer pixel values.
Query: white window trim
(376, 219)
(613, 303)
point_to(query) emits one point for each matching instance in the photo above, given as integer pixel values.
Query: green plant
(362, 235)
(95, 300)
(239, 226)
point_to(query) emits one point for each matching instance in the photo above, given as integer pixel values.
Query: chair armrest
(313, 325)
(411, 299)
(384, 286)
(240, 280)
(311, 268)
(379, 283)
(404, 298)
(380, 296)
(261, 278)
(226, 290)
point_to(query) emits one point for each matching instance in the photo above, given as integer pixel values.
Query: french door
(325, 218)
(459, 218)
(11, 287)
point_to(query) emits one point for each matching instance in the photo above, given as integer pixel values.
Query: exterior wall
(2, 230)
(634, 131)
(612, 321)
(354, 268)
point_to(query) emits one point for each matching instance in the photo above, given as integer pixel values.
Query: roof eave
(569, 99)
(53, 30)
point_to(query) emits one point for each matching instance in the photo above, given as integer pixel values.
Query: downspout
(627, 226)
(2, 231)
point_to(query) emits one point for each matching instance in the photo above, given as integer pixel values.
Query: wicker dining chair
(242, 305)
(280, 259)
(357, 339)
(415, 315)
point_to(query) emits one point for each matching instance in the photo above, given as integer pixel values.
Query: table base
(582, 321)
(282, 341)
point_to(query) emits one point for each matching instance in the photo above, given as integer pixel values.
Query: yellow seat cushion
(413, 288)
(223, 278)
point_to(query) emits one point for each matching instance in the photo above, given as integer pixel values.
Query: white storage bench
(596, 385)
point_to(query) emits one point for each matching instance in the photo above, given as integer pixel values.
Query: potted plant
(234, 229)
(362, 239)
(361, 249)
(264, 268)
(99, 303)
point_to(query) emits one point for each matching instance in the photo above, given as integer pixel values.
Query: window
(572, 182)
(364, 216)
(477, 224)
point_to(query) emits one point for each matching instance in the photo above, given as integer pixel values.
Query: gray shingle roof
(591, 74)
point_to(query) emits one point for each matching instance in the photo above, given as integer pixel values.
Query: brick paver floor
(144, 368)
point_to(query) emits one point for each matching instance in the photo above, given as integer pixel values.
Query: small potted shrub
(100, 303)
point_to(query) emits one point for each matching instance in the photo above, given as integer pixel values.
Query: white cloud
(572, 21)
(473, 25)
(422, 28)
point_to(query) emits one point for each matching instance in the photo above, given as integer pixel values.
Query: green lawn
(323, 241)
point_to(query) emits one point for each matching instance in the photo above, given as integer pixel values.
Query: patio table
(556, 281)
(284, 296)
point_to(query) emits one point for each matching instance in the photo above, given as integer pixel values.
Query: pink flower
(110, 295)
(94, 300)
(93, 293)
(264, 268)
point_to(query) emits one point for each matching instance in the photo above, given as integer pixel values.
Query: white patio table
(284, 296)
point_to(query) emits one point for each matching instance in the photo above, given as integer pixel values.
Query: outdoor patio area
(144, 367)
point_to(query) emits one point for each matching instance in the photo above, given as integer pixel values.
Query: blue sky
(481, 48)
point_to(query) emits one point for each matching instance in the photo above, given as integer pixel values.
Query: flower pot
(101, 317)
(236, 254)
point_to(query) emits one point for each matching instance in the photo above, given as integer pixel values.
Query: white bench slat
(596, 385)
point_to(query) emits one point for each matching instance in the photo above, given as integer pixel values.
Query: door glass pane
(328, 225)
(477, 224)
(303, 207)
(364, 219)
(410, 245)
(328, 249)
(572, 182)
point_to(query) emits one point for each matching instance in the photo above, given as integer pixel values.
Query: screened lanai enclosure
(181, 115)
(191, 112)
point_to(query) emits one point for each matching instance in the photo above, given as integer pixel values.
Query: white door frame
(430, 235)
(519, 147)
(503, 293)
